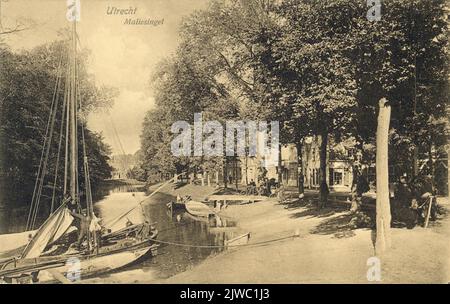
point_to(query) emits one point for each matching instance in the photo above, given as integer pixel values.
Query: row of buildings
(340, 168)
(339, 177)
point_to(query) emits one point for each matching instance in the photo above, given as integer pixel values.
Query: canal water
(179, 227)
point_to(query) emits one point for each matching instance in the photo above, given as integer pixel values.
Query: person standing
(404, 198)
(84, 222)
(95, 229)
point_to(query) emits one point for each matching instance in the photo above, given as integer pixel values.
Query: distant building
(121, 164)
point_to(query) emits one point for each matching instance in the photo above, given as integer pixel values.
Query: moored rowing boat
(198, 209)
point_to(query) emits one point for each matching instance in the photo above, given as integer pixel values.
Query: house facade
(340, 172)
(339, 176)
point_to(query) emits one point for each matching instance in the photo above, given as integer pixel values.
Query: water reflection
(214, 221)
(180, 228)
(13, 220)
(114, 198)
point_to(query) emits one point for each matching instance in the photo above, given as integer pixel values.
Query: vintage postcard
(224, 141)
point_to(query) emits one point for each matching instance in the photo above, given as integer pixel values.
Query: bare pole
(383, 217)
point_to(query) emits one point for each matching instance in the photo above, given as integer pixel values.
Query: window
(338, 177)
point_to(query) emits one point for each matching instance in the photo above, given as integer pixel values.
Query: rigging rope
(224, 246)
(118, 143)
(116, 133)
(35, 200)
(114, 221)
(40, 165)
(87, 179)
(61, 132)
(75, 109)
(44, 169)
(66, 152)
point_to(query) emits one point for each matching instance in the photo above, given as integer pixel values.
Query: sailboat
(53, 253)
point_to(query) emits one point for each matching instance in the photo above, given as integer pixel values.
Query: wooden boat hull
(48, 269)
(198, 209)
(74, 271)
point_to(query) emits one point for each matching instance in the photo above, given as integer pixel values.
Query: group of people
(265, 187)
(410, 198)
(409, 204)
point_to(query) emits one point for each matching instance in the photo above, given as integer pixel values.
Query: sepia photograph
(224, 142)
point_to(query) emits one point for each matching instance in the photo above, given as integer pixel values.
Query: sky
(122, 55)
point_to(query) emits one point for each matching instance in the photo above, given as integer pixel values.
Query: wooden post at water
(383, 217)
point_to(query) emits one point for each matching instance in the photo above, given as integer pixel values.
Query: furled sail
(52, 229)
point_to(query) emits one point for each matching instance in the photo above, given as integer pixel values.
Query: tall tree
(27, 87)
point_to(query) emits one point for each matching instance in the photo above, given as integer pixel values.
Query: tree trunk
(415, 161)
(300, 181)
(430, 153)
(383, 217)
(324, 190)
(236, 172)
(356, 172)
(225, 173)
(246, 171)
(356, 201)
(280, 164)
(188, 174)
(448, 171)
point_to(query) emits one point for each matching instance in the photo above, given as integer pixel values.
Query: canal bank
(325, 251)
(201, 241)
(198, 193)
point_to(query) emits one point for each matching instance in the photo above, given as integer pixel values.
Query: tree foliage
(319, 67)
(27, 87)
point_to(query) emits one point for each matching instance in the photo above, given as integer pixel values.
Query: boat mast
(73, 122)
(74, 96)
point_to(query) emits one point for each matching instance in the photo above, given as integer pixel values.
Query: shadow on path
(337, 220)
